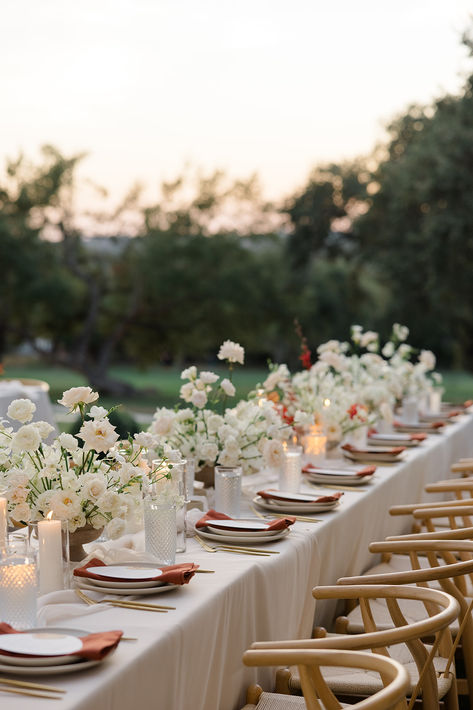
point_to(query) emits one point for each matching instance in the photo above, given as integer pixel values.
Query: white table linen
(191, 658)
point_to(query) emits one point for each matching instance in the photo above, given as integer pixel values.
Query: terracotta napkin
(279, 524)
(393, 451)
(413, 437)
(425, 425)
(468, 403)
(94, 646)
(321, 499)
(172, 574)
(366, 471)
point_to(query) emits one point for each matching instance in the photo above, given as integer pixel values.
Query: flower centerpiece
(90, 480)
(249, 434)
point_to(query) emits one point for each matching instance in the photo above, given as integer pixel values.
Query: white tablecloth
(191, 658)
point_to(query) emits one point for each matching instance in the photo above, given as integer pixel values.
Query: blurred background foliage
(388, 237)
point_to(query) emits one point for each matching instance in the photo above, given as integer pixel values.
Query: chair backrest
(458, 486)
(464, 466)
(440, 611)
(428, 516)
(316, 691)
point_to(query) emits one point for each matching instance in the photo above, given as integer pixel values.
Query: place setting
(332, 476)
(281, 502)
(240, 535)
(395, 439)
(379, 454)
(435, 427)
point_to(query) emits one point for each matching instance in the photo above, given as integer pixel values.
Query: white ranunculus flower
(427, 359)
(21, 512)
(214, 423)
(199, 399)
(27, 438)
(144, 439)
(186, 391)
(208, 377)
(97, 412)
(115, 528)
(209, 451)
(98, 434)
(21, 410)
(388, 349)
(68, 442)
(44, 429)
(273, 453)
(65, 504)
(189, 374)
(163, 424)
(233, 352)
(109, 502)
(228, 387)
(94, 487)
(74, 396)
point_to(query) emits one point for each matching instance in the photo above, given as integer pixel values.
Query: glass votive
(314, 443)
(410, 410)
(160, 529)
(435, 400)
(228, 490)
(290, 473)
(49, 545)
(18, 587)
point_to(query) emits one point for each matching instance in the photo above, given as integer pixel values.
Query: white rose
(199, 399)
(208, 378)
(65, 504)
(172, 455)
(68, 442)
(233, 352)
(214, 422)
(227, 387)
(27, 438)
(209, 451)
(115, 528)
(21, 410)
(199, 384)
(44, 429)
(144, 439)
(97, 412)
(98, 434)
(186, 391)
(273, 453)
(94, 487)
(427, 359)
(163, 424)
(189, 374)
(71, 398)
(109, 502)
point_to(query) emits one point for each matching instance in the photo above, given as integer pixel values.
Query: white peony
(27, 438)
(68, 442)
(163, 424)
(98, 412)
(427, 359)
(273, 453)
(186, 391)
(65, 504)
(44, 429)
(94, 487)
(199, 399)
(228, 387)
(208, 378)
(233, 352)
(209, 451)
(21, 410)
(189, 374)
(74, 396)
(98, 434)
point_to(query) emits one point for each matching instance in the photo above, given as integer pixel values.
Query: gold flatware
(134, 603)
(205, 571)
(30, 693)
(136, 607)
(31, 686)
(300, 518)
(121, 603)
(349, 489)
(235, 550)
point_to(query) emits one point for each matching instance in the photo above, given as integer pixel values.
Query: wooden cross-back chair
(312, 664)
(404, 640)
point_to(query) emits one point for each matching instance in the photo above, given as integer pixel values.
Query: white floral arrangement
(248, 435)
(88, 479)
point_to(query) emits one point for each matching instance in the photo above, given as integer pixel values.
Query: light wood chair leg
(283, 676)
(253, 694)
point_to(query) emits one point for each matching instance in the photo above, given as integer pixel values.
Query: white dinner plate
(51, 670)
(262, 534)
(392, 440)
(83, 583)
(378, 458)
(141, 568)
(40, 648)
(234, 539)
(120, 585)
(233, 526)
(129, 572)
(330, 473)
(48, 664)
(289, 508)
(343, 480)
(290, 497)
(419, 428)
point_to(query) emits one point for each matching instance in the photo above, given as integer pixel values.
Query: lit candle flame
(49, 515)
(326, 402)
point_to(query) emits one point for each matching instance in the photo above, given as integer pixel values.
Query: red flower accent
(287, 418)
(305, 358)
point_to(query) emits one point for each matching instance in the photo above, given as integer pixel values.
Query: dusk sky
(257, 85)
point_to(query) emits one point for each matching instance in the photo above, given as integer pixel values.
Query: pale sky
(270, 86)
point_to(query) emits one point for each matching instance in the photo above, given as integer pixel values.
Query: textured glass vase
(18, 588)
(160, 529)
(228, 490)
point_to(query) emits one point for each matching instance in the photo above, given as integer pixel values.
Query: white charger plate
(235, 539)
(289, 508)
(379, 458)
(392, 439)
(42, 648)
(330, 473)
(253, 528)
(141, 568)
(83, 583)
(120, 585)
(50, 664)
(283, 496)
(131, 572)
(419, 428)
(343, 480)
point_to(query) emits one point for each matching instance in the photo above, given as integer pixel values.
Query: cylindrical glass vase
(410, 410)
(228, 490)
(18, 588)
(160, 529)
(290, 473)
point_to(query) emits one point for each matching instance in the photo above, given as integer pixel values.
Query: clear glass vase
(160, 529)
(18, 586)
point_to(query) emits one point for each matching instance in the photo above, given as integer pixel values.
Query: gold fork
(300, 518)
(255, 552)
(141, 606)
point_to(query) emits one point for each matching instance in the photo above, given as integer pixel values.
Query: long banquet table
(190, 658)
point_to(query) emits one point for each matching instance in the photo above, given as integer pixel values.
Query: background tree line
(385, 238)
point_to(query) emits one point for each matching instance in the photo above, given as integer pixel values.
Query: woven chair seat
(275, 701)
(360, 682)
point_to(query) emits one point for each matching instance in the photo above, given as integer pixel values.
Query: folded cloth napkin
(366, 471)
(279, 524)
(394, 450)
(94, 646)
(423, 425)
(172, 574)
(412, 437)
(56, 608)
(321, 499)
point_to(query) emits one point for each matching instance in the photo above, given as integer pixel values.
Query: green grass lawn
(164, 382)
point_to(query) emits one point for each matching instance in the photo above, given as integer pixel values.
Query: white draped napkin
(57, 607)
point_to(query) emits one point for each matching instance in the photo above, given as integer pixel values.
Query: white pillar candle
(51, 574)
(3, 525)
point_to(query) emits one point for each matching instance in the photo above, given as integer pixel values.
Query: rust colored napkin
(94, 646)
(412, 437)
(279, 524)
(172, 574)
(366, 471)
(394, 450)
(321, 499)
(425, 425)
